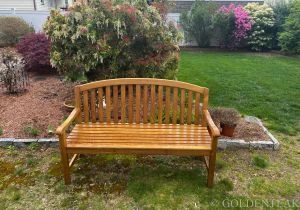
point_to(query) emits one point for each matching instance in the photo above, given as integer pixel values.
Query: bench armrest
(62, 128)
(211, 125)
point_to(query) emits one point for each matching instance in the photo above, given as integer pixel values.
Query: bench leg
(65, 165)
(211, 169)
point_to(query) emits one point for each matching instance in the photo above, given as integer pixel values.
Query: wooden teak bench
(139, 116)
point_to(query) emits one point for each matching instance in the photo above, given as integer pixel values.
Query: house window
(42, 2)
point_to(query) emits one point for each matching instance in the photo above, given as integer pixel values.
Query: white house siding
(42, 6)
(17, 4)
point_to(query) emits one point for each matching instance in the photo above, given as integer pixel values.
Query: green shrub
(1, 131)
(225, 25)
(289, 39)
(12, 29)
(261, 35)
(281, 11)
(198, 22)
(111, 39)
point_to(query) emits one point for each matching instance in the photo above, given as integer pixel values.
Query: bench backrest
(141, 100)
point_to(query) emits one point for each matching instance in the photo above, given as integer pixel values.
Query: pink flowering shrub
(241, 23)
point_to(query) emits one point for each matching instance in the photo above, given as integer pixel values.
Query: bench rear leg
(211, 169)
(65, 165)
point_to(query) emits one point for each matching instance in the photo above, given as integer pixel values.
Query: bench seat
(120, 137)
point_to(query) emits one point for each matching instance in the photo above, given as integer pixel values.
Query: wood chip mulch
(249, 132)
(41, 106)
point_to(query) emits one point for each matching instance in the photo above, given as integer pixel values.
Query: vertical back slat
(123, 103)
(197, 109)
(78, 104)
(130, 100)
(182, 106)
(167, 110)
(145, 104)
(152, 111)
(86, 106)
(190, 106)
(100, 104)
(115, 103)
(160, 104)
(107, 101)
(137, 103)
(93, 105)
(205, 105)
(175, 96)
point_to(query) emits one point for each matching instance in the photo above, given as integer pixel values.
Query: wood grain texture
(123, 103)
(182, 106)
(175, 105)
(86, 109)
(93, 105)
(152, 110)
(137, 103)
(145, 104)
(78, 104)
(197, 109)
(190, 107)
(115, 103)
(160, 104)
(130, 103)
(108, 104)
(167, 109)
(100, 104)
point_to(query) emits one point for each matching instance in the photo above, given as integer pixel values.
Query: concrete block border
(273, 144)
(49, 142)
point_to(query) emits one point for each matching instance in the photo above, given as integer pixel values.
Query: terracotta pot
(227, 130)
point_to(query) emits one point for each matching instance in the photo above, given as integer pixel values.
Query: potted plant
(226, 119)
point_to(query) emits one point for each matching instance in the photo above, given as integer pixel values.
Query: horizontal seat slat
(140, 126)
(140, 143)
(133, 138)
(155, 138)
(142, 146)
(168, 132)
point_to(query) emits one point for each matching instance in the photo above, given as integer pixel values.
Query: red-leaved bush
(35, 49)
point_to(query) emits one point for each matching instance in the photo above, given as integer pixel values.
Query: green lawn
(263, 85)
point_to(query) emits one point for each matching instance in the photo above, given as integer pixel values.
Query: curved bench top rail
(143, 81)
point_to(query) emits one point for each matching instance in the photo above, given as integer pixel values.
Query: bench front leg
(61, 132)
(214, 134)
(211, 166)
(64, 159)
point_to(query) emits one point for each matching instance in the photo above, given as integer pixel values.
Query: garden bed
(37, 111)
(32, 114)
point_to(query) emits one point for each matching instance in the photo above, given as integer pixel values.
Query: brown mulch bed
(248, 132)
(41, 106)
